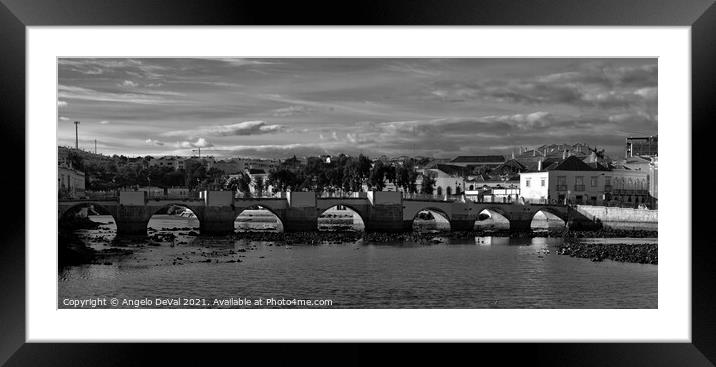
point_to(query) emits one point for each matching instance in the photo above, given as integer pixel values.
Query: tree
(259, 185)
(195, 173)
(390, 173)
(377, 176)
(364, 166)
(282, 179)
(244, 185)
(76, 160)
(428, 185)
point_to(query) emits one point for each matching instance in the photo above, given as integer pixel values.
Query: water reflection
(484, 272)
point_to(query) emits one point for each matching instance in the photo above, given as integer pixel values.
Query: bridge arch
(324, 222)
(548, 219)
(249, 223)
(431, 218)
(91, 222)
(492, 218)
(168, 223)
(67, 210)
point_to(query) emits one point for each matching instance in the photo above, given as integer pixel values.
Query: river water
(487, 272)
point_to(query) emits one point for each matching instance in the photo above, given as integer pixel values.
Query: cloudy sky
(281, 107)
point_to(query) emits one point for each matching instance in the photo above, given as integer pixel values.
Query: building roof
(478, 158)
(512, 164)
(452, 170)
(572, 163)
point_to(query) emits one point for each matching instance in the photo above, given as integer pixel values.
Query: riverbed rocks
(612, 233)
(647, 253)
(433, 236)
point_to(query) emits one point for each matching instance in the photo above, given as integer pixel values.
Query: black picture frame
(16, 15)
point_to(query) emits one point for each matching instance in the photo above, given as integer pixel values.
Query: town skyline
(277, 108)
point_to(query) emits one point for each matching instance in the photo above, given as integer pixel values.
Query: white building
(574, 181)
(168, 161)
(249, 163)
(70, 181)
(493, 191)
(448, 180)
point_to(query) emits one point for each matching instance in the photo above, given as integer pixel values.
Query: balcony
(607, 188)
(561, 187)
(578, 187)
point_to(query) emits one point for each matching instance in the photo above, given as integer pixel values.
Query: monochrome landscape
(357, 183)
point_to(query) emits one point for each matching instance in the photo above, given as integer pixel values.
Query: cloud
(61, 103)
(154, 142)
(238, 129)
(104, 122)
(128, 84)
(650, 94)
(292, 111)
(199, 143)
(146, 98)
(529, 121)
(63, 118)
(105, 66)
(597, 85)
(233, 61)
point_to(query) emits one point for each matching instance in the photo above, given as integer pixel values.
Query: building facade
(70, 182)
(447, 183)
(575, 182)
(641, 146)
(168, 161)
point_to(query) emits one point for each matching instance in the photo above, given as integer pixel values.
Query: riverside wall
(621, 218)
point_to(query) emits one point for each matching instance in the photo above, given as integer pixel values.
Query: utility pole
(95, 146)
(199, 150)
(77, 145)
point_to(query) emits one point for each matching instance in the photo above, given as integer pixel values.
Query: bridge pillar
(304, 219)
(520, 225)
(131, 227)
(216, 220)
(385, 218)
(131, 219)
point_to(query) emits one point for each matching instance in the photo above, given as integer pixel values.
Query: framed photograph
(483, 173)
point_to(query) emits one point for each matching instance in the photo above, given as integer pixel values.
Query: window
(527, 183)
(561, 183)
(607, 180)
(579, 183)
(542, 182)
(594, 181)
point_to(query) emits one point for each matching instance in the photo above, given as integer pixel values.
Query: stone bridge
(299, 211)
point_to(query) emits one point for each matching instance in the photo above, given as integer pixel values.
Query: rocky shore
(612, 233)
(633, 253)
(73, 251)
